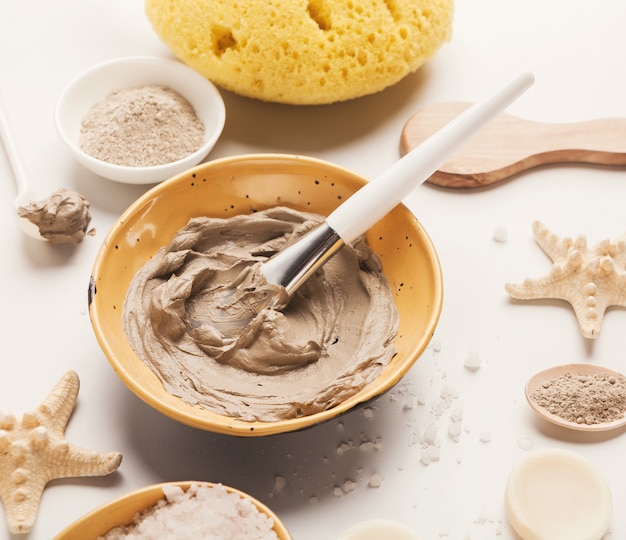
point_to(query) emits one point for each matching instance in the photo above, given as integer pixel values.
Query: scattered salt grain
(366, 446)
(456, 415)
(437, 345)
(368, 413)
(375, 481)
(200, 512)
(500, 234)
(454, 431)
(279, 483)
(343, 447)
(430, 454)
(525, 443)
(472, 361)
(485, 437)
(446, 398)
(455, 425)
(349, 486)
(430, 434)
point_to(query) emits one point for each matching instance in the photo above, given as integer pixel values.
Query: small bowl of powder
(583, 397)
(180, 509)
(140, 120)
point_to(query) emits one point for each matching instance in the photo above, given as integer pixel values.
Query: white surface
(575, 50)
(546, 492)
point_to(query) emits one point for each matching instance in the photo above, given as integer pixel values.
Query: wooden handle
(509, 145)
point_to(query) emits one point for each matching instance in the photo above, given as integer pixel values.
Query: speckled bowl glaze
(242, 184)
(95, 84)
(120, 511)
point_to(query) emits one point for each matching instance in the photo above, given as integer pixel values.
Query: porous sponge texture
(302, 51)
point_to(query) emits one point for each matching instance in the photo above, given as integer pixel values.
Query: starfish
(33, 452)
(590, 279)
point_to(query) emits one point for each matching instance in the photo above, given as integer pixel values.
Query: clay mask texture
(333, 338)
(62, 218)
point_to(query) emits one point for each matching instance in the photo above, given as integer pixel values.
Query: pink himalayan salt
(200, 512)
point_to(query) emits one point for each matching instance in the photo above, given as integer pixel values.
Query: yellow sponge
(302, 51)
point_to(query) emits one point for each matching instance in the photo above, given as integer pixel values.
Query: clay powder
(583, 398)
(140, 127)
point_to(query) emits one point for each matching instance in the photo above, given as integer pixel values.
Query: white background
(576, 50)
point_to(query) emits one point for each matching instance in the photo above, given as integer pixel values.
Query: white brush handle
(377, 198)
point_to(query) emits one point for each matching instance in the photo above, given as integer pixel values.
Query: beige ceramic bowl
(120, 511)
(236, 185)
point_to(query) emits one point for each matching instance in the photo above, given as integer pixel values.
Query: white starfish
(590, 279)
(33, 452)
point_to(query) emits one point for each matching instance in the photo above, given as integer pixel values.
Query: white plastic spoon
(25, 193)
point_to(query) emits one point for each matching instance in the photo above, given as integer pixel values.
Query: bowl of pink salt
(140, 120)
(181, 510)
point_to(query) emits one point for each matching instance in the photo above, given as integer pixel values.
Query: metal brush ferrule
(292, 266)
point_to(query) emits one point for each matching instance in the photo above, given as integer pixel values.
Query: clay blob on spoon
(61, 218)
(509, 145)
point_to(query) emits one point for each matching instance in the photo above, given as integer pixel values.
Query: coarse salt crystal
(472, 361)
(279, 483)
(456, 415)
(430, 454)
(454, 430)
(500, 234)
(525, 443)
(375, 481)
(430, 434)
(172, 492)
(349, 486)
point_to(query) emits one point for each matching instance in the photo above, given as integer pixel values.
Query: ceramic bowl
(120, 511)
(229, 186)
(95, 84)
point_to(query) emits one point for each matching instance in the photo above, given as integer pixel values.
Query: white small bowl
(95, 84)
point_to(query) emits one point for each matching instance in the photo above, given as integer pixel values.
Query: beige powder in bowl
(141, 127)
